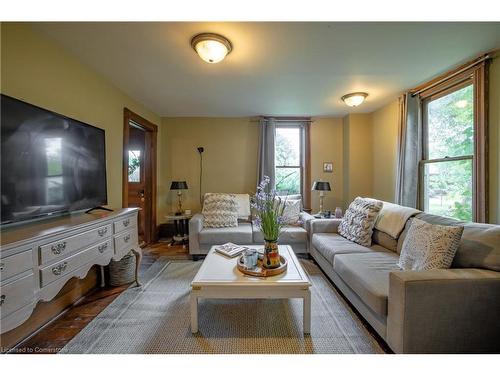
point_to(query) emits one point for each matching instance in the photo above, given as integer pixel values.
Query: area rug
(155, 319)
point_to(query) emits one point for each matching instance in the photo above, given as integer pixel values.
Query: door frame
(150, 161)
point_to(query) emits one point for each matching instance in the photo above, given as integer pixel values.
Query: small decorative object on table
(259, 270)
(269, 210)
(338, 213)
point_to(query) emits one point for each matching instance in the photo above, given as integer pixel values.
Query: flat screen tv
(51, 164)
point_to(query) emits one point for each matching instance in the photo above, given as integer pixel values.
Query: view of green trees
(287, 153)
(448, 184)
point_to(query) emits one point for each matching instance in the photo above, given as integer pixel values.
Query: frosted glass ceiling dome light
(354, 99)
(212, 48)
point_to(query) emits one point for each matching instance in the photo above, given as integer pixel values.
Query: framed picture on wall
(328, 167)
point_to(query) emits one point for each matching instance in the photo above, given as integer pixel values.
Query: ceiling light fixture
(354, 99)
(212, 48)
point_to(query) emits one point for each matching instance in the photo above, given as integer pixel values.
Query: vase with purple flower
(269, 209)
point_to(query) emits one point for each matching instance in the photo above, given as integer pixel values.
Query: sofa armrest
(195, 227)
(444, 311)
(305, 219)
(324, 226)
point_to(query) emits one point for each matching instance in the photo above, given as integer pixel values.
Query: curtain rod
(283, 119)
(468, 66)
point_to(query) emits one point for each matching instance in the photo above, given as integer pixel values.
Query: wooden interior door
(139, 172)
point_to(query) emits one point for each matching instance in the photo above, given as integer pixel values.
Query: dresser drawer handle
(102, 247)
(2, 299)
(2, 266)
(59, 269)
(102, 231)
(58, 248)
(126, 222)
(126, 238)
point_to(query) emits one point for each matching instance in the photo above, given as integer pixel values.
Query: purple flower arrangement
(269, 210)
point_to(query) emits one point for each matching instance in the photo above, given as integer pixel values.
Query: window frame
(305, 155)
(301, 152)
(477, 76)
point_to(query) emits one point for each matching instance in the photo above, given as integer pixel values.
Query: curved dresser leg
(138, 257)
(103, 280)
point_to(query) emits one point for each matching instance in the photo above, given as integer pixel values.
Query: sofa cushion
(331, 244)
(367, 274)
(241, 235)
(243, 203)
(359, 219)
(291, 234)
(384, 240)
(479, 246)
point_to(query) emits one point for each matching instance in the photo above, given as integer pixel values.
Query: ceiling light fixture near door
(354, 99)
(212, 48)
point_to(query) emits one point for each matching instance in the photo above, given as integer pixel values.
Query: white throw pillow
(291, 214)
(243, 202)
(429, 246)
(220, 210)
(359, 220)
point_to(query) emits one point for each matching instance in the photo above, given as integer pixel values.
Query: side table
(181, 226)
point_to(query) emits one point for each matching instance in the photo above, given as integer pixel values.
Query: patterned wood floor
(55, 335)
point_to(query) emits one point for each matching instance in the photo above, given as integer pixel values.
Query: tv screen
(50, 163)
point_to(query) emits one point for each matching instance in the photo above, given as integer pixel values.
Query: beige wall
(229, 160)
(358, 155)
(384, 138)
(36, 70)
(326, 146)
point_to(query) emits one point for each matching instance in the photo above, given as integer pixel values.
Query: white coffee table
(218, 277)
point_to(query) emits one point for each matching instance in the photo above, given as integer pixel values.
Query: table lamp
(321, 186)
(179, 186)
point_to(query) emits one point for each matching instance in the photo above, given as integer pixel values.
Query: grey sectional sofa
(440, 311)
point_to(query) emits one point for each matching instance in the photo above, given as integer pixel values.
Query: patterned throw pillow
(220, 210)
(429, 246)
(359, 220)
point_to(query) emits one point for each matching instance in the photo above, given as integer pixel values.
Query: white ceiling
(294, 69)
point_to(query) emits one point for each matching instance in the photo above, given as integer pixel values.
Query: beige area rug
(156, 319)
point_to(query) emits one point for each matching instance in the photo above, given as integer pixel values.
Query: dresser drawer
(68, 265)
(125, 241)
(15, 264)
(125, 223)
(16, 294)
(54, 250)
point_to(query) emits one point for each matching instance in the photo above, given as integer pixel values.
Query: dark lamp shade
(321, 185)
(178, 185)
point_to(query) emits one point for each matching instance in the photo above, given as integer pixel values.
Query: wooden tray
(259, 270)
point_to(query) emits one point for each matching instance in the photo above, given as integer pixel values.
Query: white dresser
(37, 259)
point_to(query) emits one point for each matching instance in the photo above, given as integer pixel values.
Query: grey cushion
(291, 234)
(384, 240)
(331, 244)
(368, 276)
(242, 234)
(479, 246)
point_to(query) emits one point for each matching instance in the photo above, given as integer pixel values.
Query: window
(452, 169)
(289, 159)
(134, 166)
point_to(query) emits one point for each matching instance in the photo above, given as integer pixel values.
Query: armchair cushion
(291, 234)
(241, 234)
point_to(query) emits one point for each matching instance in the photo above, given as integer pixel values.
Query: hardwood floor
(55, 335)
